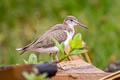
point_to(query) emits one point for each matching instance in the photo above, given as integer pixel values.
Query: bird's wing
(46, 41)
(30, 44)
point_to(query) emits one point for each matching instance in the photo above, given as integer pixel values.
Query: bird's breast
(69, 36)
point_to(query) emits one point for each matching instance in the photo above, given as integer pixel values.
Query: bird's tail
(21, 49)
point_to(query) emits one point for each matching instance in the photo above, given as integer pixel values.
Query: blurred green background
(21, 21)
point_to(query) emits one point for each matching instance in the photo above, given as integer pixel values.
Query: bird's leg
(38, 57)
(59, 64)
(50, 55)
(56, 56)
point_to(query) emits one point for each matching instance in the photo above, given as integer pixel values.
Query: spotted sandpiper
(61, 32)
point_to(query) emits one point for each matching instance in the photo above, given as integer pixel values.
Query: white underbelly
(47, 50)
(69, 37)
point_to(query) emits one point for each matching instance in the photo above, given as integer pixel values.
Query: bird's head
(72, 21)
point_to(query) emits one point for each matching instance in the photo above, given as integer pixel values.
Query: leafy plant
(33, 75)
(74, 44)
(32, 59)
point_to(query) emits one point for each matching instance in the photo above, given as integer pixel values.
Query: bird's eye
(71, 20)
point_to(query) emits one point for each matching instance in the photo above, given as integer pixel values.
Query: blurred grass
(21, 21)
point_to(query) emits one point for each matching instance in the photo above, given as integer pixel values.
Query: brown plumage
(45, 41)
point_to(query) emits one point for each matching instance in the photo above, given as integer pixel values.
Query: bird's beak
(82, 25)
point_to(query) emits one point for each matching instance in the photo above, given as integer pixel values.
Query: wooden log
(79, 70)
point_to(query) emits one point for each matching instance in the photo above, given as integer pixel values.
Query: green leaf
(32, 59)
(33, 75)
(75, 52)
(76, 42)
(65, 56)
(78, 35)
(60, 46)
(26, 62)
(29, 76)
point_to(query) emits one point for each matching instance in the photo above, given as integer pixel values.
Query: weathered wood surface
(14, 72)
(79, 70)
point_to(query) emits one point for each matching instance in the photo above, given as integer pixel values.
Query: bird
(61, 32)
